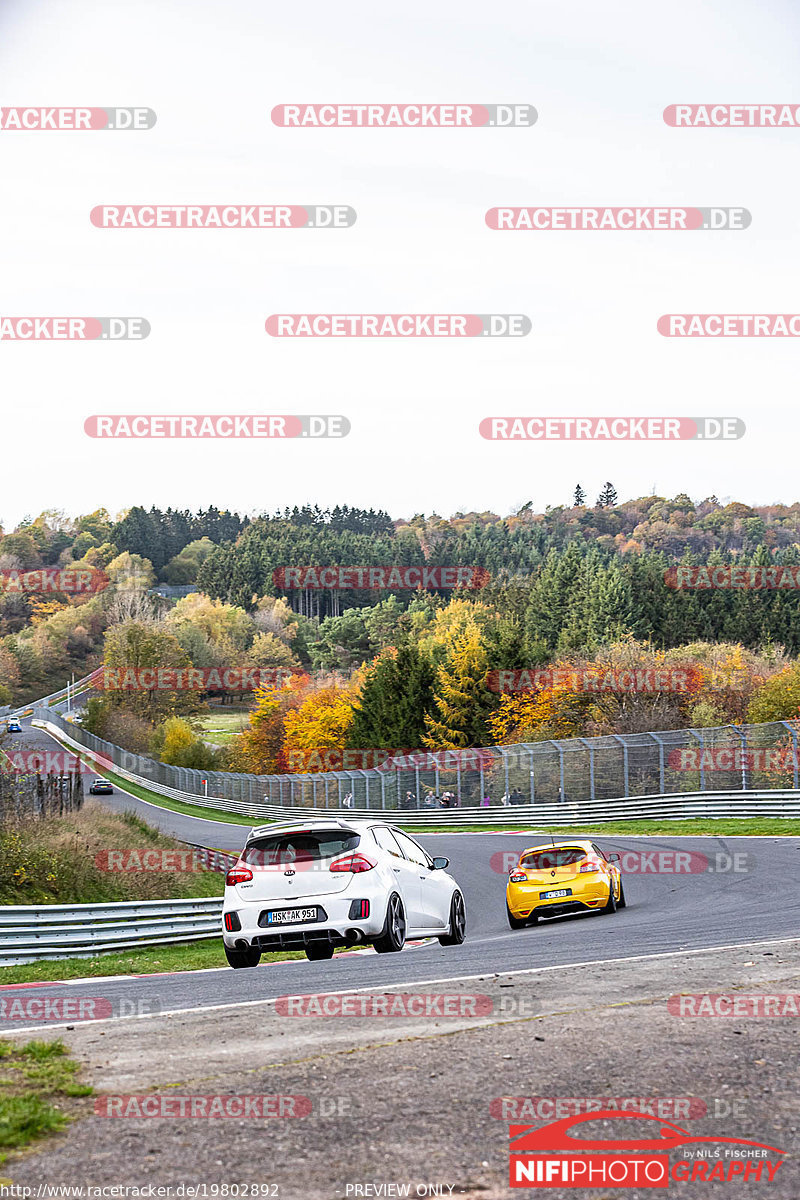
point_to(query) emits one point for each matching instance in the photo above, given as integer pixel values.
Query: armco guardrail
(750, 803)
(29, 933)
(680, 806)
(56, 699)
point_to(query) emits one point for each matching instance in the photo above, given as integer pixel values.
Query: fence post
(625, 780)
(743, 738)
(699, 737)
(590, 748)
(661, 780)
(793, 736)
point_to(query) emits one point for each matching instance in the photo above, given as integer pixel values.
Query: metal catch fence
(557, 774)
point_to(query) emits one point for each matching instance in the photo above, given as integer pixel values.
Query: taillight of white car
(238, 875)
(354, 863)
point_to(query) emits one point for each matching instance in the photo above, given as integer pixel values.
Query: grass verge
(64, 860)
(39, 1092)
(149, 960)
(222, 727)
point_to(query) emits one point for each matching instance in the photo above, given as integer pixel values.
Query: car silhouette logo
(555, 1136)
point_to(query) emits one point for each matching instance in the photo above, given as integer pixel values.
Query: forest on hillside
(573, 587)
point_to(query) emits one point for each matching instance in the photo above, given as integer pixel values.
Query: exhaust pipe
(241, 944)
(354, 935)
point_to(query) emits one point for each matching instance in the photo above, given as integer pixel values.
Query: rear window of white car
(306, 846)
(545, 860)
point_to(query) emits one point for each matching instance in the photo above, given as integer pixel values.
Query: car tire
(622, 902)
(316, 951)
(515, 922)
(458, 922)
(393, 935)
(242, 958)
(611, 905)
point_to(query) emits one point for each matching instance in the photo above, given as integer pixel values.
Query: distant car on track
(327, 883)
(568, 877)
(14, 726)
(101, 787)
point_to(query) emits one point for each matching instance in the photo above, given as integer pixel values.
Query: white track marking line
(412, 983)
(413, 944)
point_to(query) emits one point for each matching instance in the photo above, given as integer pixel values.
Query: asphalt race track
(666, 912)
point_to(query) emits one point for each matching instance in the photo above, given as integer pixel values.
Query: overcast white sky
(599, 76)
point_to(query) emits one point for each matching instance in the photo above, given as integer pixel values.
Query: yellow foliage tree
(461, 695)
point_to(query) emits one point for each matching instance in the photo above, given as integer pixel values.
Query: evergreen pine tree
(394, 702)
(608, 496)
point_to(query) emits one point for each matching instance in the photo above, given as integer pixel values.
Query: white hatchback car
(327, 883)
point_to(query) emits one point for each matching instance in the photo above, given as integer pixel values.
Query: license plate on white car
(291, 916)
(555, 895)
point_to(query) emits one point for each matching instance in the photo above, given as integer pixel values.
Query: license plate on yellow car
(555, 895)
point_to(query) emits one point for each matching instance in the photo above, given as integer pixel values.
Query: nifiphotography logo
(641, 1162)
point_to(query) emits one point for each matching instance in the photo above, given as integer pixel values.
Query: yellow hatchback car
(556, 879)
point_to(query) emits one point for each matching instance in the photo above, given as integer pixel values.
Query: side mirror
(439, 864)
(613, 858)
